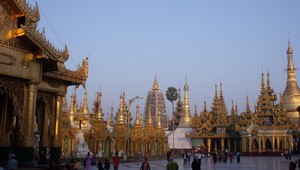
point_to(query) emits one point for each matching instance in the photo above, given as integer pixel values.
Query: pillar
(56, 143)
(273, 143)
(285, 143)
(229, 146)
(244, 144)
(250, 144)
(222, 144)
(259, 144)
(234, 145)
(209, 145)
(25, 150)
(264, 144)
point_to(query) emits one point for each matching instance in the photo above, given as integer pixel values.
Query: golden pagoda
(185, 119)
(137, 133)
(97, 136)
(120, 132)
(67, 133)
(291, 94)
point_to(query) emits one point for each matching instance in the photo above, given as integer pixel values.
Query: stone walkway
(246, 163)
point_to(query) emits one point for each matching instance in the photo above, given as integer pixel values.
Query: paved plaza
(251, 163)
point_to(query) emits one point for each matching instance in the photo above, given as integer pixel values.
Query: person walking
(116, 161)
(189, 158)
(145, 165)
(215, 156)
(172, 165)
(88, 161)
(100, 166)
(238, 156)
(106, 164)
(230, 156)
(195, 164)
(168, 155)
(12, 164)
(185, 157)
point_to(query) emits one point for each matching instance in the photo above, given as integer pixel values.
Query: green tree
(172, 96)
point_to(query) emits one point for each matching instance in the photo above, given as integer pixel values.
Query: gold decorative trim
(11, 59)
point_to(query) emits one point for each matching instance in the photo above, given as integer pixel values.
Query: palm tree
(172, 96)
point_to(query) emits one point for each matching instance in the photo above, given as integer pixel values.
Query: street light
(128, 120)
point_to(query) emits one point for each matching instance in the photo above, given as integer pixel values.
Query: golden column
(264, 144)
(259, 144)
(209, 145)
(56, 145)
(30, 114)
(250, 144)
(273, 143)
(222, 144)
(25, 149)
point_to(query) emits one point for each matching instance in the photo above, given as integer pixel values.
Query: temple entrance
(8, 123)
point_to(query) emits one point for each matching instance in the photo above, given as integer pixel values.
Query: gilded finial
(137, 119)
(155, 85)
(232, 107)
(247, 104)
(262, 81)
(85, 103)
(289, 50)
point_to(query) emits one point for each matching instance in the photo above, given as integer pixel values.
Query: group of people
(223, 156)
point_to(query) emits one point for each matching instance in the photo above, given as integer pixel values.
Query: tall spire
(232, 107)
(247, 105)
(291, 94)
(149, 121)
(262, 81)
(155, 85)
(222, 101)
(204, 106)
(85, 104)
(98, 106)
(120, 114)
(71, 110)
(186, 118)
(137, 119)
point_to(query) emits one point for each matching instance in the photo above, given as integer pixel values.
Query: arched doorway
(8, 123)
(255, 145)
(268, 145)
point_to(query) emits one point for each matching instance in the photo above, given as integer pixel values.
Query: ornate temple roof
(18, 31)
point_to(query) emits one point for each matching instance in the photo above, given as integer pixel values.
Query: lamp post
(128, 120)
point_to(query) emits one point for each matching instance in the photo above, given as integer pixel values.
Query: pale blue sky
(130, 41)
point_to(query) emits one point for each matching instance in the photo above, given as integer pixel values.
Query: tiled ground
(251, 163)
